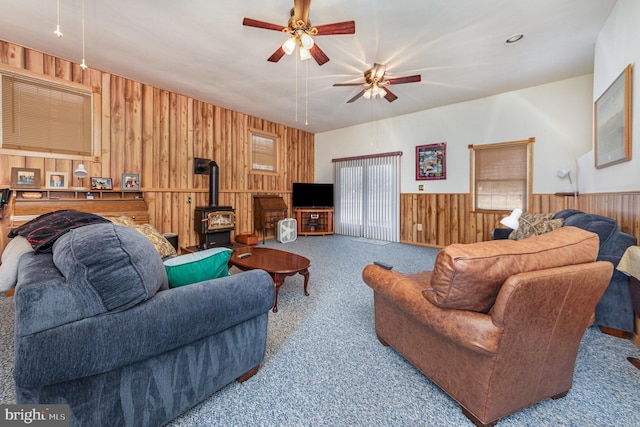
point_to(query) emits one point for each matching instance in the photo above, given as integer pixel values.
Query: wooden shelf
(26, 205)
(314, 221)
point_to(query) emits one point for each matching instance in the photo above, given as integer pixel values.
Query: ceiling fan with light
(376, 85)
(301, 32)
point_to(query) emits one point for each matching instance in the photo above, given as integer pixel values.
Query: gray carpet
(325, 367)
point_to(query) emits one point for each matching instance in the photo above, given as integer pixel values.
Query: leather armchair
(497, 324)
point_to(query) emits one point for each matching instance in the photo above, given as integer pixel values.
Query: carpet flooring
(325, 367)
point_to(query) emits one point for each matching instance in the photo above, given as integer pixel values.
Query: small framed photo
(101, 183)
(431, 161)
(57, 180)
(25, 178)
(131, 181)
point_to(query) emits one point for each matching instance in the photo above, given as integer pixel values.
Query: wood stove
(214, 223)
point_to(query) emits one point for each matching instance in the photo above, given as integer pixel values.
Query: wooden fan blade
(260, 24)
(357, 96)
(317, 53)
(400, 80)
(277, 55)
(389, 96)
(301, 10)
(347, 27)
(350, 84)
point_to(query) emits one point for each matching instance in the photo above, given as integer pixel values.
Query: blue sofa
(615, 309)
(97, 328)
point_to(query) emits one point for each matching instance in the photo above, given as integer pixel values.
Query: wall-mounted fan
(301, 32)
(376, 86)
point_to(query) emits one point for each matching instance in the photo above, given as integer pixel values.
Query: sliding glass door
(368, 196)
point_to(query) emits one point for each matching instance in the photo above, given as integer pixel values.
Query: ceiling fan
(376, 85)
(300, 30)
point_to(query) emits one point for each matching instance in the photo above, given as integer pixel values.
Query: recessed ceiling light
(513, 39)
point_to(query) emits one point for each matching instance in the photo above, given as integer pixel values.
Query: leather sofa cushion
(469, 276)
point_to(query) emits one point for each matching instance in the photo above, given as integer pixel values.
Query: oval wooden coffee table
(279, 264)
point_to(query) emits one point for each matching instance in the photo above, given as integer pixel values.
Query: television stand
(314, 221)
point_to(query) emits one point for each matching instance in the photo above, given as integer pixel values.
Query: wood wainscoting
(448, 218)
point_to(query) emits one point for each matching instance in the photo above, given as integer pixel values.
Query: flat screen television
(312, 195)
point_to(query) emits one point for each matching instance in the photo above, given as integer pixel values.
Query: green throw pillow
(198, 266)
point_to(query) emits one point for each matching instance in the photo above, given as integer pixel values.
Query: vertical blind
(368, 196)
(42, 116)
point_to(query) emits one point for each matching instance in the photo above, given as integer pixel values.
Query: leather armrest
(470, 329)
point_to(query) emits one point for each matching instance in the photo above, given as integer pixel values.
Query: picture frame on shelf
(431, 161)
(131, 182)
(25, 178)
(99, 183)
(612, 121)
(57, 180)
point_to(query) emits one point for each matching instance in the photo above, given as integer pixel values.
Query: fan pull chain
(296, 103)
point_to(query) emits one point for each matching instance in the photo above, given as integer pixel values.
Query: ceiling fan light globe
(306, 41)
(382, 93)
(304, 54)
(367, 94)
(289, 45)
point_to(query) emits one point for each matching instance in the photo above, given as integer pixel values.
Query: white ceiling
(201, 49)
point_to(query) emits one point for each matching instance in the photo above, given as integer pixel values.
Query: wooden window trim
(529, 149)
(96, 107)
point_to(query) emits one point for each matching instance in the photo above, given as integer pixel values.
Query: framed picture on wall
(612, 118)
(57, 180)
(25, 178)
(101, 183)
(431, 161)
(131, 181)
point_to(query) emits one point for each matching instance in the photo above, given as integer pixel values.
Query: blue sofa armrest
(170, 319)
(501, 233)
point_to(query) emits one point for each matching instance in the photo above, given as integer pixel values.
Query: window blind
(42, 116)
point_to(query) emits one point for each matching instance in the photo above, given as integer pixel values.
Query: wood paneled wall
(448, 218)
(156, 133)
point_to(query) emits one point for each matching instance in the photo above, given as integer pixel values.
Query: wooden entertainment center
(314, 221)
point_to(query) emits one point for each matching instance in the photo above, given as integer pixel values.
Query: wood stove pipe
(213, 184)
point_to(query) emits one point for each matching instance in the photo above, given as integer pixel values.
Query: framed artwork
(25, 178)
(131, 181)
(612, 118)
(101, 183)
(431, 161)
(56, 180)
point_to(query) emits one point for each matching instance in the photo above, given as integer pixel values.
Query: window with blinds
(264, 152)
(501, 175)
(45, 117)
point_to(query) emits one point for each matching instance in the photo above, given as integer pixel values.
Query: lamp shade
(80, 172)
(289, 45)
(511, 221)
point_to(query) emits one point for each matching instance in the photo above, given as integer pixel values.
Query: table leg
(305, 273)
(278, 280)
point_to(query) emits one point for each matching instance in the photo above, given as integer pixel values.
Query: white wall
(618, 45)
(558, 115)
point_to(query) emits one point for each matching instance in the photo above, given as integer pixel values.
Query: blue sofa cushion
(43, 231)
(117, 266)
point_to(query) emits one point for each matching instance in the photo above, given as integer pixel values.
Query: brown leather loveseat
(497, 324)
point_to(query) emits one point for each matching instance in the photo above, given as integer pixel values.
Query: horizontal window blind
(45, 117)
